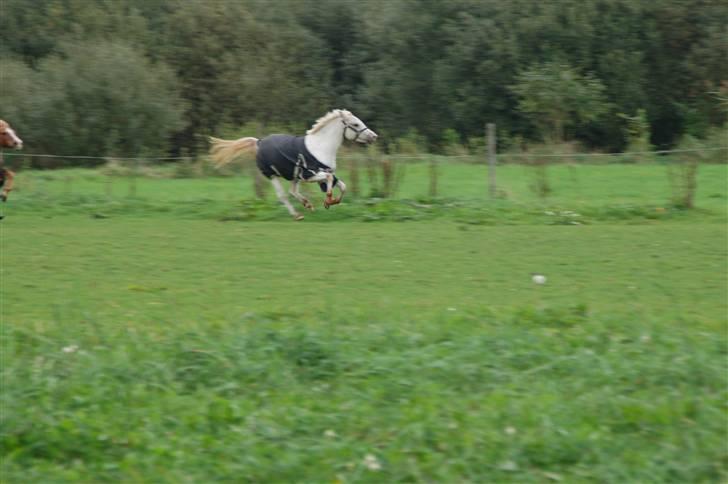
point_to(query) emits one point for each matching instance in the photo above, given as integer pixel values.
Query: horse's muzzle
(370, 136)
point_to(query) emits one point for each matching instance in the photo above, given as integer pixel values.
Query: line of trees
(145, 77)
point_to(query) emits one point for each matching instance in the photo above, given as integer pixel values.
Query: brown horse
(8, 139)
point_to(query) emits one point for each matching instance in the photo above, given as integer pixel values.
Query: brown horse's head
(8, 138)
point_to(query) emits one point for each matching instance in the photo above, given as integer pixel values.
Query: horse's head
(8, 138)
(356, 130)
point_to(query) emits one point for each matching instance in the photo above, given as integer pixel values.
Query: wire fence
(524, 155)
(527, 155)
(367, 174)
(87, 157)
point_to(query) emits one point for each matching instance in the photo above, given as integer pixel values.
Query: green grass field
(189, 334)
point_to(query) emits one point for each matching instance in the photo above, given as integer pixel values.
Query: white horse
(310, 158)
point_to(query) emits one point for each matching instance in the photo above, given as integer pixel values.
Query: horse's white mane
(327, 118)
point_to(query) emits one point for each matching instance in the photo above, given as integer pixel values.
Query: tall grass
(532, 396)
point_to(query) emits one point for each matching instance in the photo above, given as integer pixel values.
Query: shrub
(101, 99)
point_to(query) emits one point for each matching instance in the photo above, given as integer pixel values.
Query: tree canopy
(128, 77)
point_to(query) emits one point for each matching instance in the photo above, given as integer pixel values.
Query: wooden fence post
(490, 129)
(135, 171)
(433, 177)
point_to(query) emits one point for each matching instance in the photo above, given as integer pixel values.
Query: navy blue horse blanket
(286, 156)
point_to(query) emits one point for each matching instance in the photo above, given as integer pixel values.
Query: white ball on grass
(539, 278)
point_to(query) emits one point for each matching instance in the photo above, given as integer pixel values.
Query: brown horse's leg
(8, 176)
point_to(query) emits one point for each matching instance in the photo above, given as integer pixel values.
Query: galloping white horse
(310, 158)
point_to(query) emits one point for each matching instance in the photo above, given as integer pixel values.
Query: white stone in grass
(508, 465)
(372, 463)
(538, 278)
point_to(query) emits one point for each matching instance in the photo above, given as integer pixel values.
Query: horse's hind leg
(281, 193)
(295, 187)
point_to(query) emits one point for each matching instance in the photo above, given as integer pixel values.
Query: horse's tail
(223, 151)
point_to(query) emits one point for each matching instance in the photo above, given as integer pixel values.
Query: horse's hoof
(298, 217)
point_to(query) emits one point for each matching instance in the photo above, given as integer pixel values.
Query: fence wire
(396, 156)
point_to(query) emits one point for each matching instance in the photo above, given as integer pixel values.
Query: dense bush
(96, 100)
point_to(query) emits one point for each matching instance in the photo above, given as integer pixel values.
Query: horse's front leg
(295, 186)
(330, 200)
(342, 190)
(328, 187)
(329, 195)
(328, 179)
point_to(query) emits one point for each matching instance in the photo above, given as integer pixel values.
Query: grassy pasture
(594, 185)
(167, 338)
